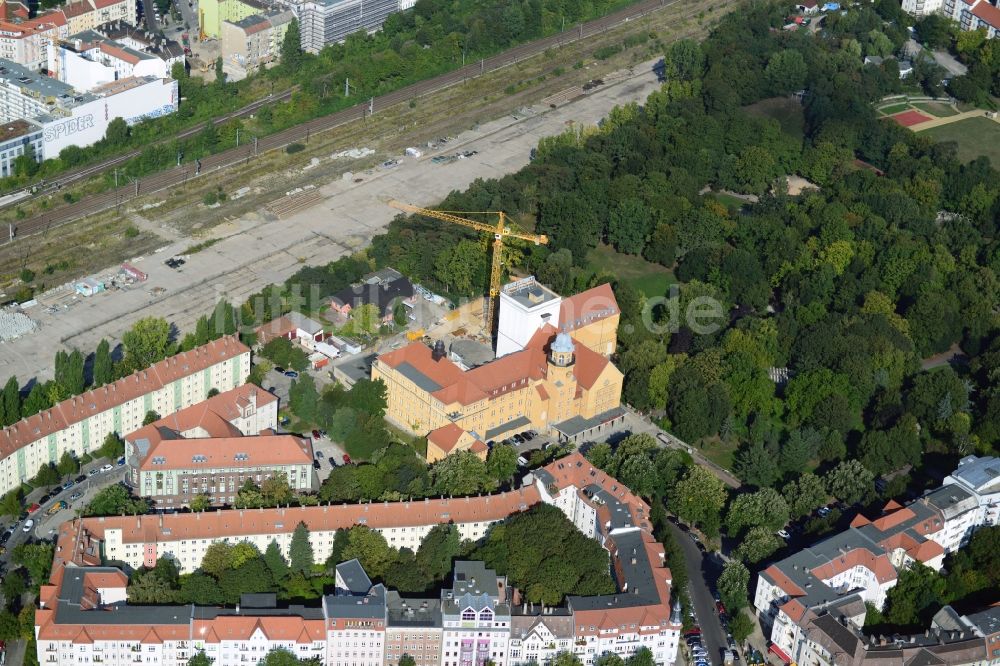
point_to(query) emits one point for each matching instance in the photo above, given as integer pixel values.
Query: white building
(87, 60)
(324, 22)
(475, 616)
(538, 638)
(16, 138)
(970, 14)
(80, 424)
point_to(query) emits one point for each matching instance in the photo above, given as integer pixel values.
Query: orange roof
(101, 4)
(260, 450)
(446, 437)
(73, 9)
(276, 328)
(212, 524)
(893, 519)
(213, 415)
(275, 628)
(988, 13)
(859, 557)
(794, 609)
(587, 307)
(783, 581)
(119, 53)
(76, 409)
(478, 446)
(105, 579)
(575, 470)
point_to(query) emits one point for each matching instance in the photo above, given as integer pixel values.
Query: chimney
(438, 352)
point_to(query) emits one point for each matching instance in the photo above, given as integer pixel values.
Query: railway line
(165, 179)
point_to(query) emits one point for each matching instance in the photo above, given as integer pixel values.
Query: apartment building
(837, 576)
(88, 59)
(212, 448)
(324, 22)
(475, 616)
(211, 14)
(413, 628)
(969, 14)
(253, 42)
(80, 424)
(555, 383)
(364, 624)
(18, 137)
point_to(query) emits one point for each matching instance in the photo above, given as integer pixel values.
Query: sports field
(975, 137)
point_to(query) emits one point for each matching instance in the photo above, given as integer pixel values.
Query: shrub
(293, 148)
(131, 231)
(27, 275)
(210, 198)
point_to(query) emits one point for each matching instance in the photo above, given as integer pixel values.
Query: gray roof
(308, 325)
(578, 424)
(250, 21)
(474, 586)
(636, 581)
(472, 353)
(952, 500)
(371, 605)
(35, 84)
(412, 613)
(422, 381)
(530, 293)
(381, 275)
(70, 611)
(979, 474)
(355, 580)
(515, 426)
(356, 367)
(987, 621)
(560, 623)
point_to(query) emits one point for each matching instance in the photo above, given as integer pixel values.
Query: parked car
(34, 507)
(291, 373)
(693, 632)
(784, 534)
(28, 524)
(347, 459)
(121, 461)
(518, 439)
(315, 434)
(280, 370)
(333, 463)
(45, 498)
(68, 485)
(272, 389)
(319, 454)
(75, 496)
(57, 507)
(107, 467)
(527, 435)
(315, 464)
(94, 472)
(823, 511)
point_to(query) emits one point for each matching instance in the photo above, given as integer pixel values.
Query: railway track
(243, 154)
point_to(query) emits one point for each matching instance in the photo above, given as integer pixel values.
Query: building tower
(675, 613)
(563, 351)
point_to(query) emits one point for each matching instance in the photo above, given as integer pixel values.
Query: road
(300, 133)
(701, 567)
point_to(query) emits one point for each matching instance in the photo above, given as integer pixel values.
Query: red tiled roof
(794, 609)
(446, 437)
(859, 557)
(988, 13)
(101, 4)
(587, 307)
(784, 582)
(119, 53)
(94, 401)
(219, 452)
(74, 9)
(214, 415)
(893, 519)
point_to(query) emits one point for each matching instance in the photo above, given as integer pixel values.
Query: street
(702, 567)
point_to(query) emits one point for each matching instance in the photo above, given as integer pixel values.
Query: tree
(641, 657)
(804, 495)
(146, 343)
(303, 398)
(740, 626)
(371, 550)
(275, 490)
(36, 558)
(275, 561)
(11, 401)
(37, 401)
(291, 47)
(201, 589)
(10, 505)
(200, 659)
(10, 627)
(786, 71)
(407, 660)
(300, 551)
(399, 315)
(220, 73)
(26, 164)
(698, 498)
(67, 464)
(919, 592)
(200, 502)
(114, 501)
(103, 365)
(849, 481)
(112, 448)
(758, 544)
(461, 473)
(733, 585)
(501, 462)
(117, 134)
(217, 559)
(150, 417)
(47, 475)
(437, 551)
(764, 508)
(628, 226)
(754, 465)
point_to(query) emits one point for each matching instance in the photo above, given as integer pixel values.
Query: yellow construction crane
(500, 230)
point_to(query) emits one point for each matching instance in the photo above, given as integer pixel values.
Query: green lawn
(895, 108)
(728, 200)
(974, 136)
(936, 109)
(786, 110)
(651, 279)
(719, 452)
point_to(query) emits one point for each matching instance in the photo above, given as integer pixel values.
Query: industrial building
(80, 424)
(84, 614)
(211, 448)
(552, 375)
(69, 117)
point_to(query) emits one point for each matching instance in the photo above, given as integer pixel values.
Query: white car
(28, 524)
(107, 468)
(784, 534)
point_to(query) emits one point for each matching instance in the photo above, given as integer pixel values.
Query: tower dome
(563, 344)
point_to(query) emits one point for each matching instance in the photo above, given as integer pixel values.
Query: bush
(27, 275)
(606, 52)
(293, 148)
(210, 198)
(131, 231)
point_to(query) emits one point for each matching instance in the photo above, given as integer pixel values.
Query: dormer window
(468, 615)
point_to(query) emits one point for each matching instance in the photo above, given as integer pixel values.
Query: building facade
(211, 14)
(969, 14)
(212, 448)
(836, 577)
(80, 424)
(554, 383)
(474, 620)
(19, 137)
(325, 22)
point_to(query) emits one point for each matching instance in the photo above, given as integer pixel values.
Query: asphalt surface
(301, 133)
(702, 567)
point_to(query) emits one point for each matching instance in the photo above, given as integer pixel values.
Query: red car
(720, 608)
(316, 434)
(34, 507)
(692, 632)
(347, 459)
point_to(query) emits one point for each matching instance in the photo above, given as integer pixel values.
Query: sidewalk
(938, 122)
